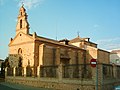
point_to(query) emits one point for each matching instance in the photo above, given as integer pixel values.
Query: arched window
(21, 13)
(20, 23)
(19, 51)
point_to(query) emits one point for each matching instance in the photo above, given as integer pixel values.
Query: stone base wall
(58, 85)
(63, 77)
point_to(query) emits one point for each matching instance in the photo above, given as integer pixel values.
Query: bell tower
(22, 23)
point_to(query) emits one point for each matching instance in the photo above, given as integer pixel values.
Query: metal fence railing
(118, 72)
(19, 71)
(9, 71)
(31, 71)
(107, 71)
(48, 71)
(77, 71)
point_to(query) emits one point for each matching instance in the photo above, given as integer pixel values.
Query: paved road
(9, 86)
(2, 87)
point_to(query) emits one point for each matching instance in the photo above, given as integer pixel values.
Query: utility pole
(96, 76)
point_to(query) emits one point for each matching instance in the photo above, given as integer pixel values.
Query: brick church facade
(33, 50)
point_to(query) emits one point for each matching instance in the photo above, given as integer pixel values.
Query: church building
(27, 49)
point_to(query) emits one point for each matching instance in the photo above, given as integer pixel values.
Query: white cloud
(109, 44)
(27, 3)
(30, 3)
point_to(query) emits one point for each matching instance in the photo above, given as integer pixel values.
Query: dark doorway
(64, 61)
(20, 62)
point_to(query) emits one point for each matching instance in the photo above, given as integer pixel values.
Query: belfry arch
(20, 23)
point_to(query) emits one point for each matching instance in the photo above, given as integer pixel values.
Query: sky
(58, 19)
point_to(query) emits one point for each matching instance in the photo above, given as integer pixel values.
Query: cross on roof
(78, 33)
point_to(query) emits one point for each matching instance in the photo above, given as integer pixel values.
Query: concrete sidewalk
(11, 86)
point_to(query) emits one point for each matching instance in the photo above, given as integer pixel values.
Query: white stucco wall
(115, 58)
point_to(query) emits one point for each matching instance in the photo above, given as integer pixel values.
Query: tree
(6, 62)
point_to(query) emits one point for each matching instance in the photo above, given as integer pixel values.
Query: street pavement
(3, 87)
(11, 86)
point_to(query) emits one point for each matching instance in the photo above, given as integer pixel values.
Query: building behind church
(115, 57)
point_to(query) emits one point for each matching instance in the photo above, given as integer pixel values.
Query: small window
(21, 13)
